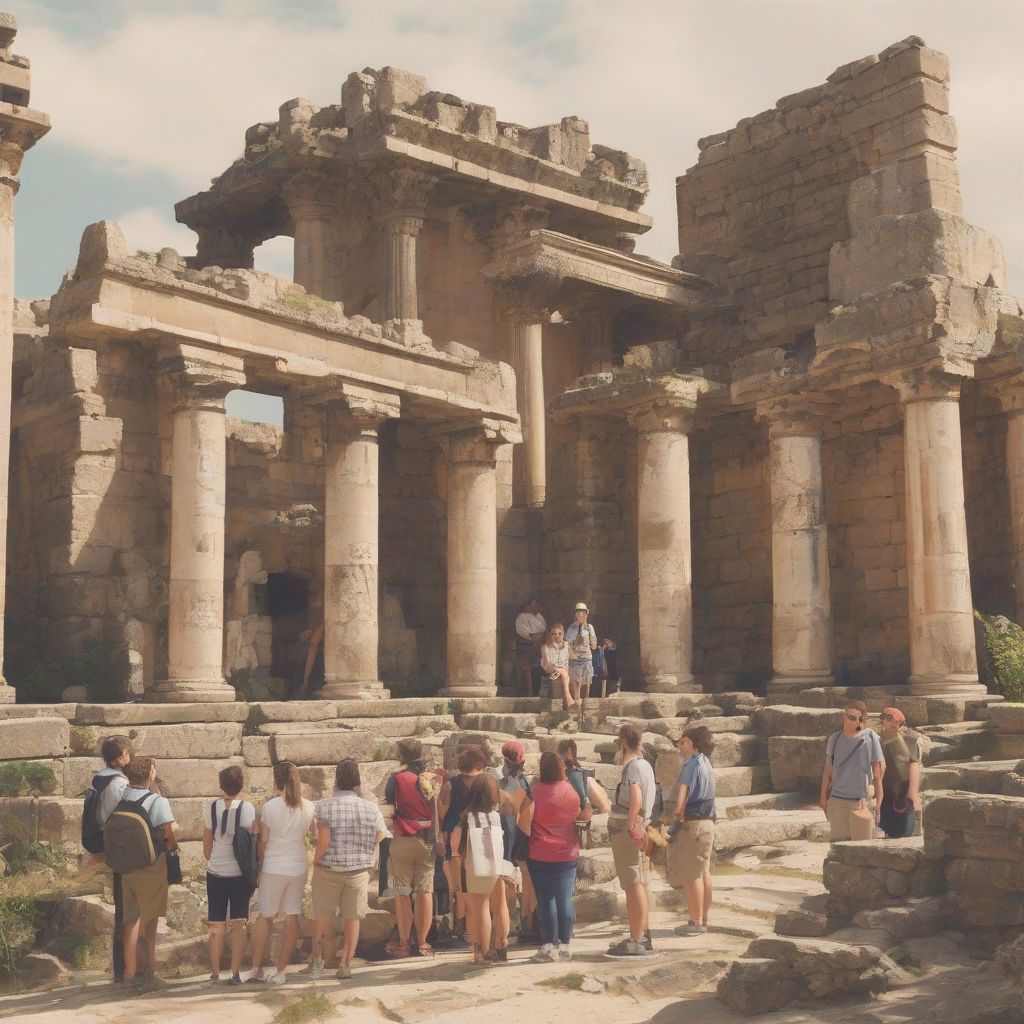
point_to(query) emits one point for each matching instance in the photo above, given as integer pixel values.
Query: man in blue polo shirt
(853, 763)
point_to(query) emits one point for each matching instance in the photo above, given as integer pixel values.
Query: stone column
(1011, 397)
(401, 199)
(223, 247)
(195, 629)
(20, 129)
(313, 200)
(663, 545)
(472, 653)
(351, 560)
(801, 590)
(526, 354)
(598, 324)
(943, 660)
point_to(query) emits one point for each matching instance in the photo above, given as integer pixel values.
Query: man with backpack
(853, 760)
(102, 796)
(137, 835)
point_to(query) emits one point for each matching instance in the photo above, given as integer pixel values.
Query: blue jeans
(895, 825)
(553, 881)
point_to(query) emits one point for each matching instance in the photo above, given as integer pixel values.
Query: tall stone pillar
(20, 129)
(313, 199)
(663, 545)
(526, 354)
(472, 637)
(1011, 397)
(401, 198)
(351, 547)
(943, 659)
(195, 628)
(801, 587)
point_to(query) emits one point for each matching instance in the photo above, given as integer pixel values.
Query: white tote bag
(486, 845)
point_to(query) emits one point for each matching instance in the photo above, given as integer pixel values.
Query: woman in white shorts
(285, 820)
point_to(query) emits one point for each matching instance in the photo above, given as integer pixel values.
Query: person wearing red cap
(901, 800)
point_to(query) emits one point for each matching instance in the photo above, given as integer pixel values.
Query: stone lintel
(474, 440)
(630, 394)
(926, 384)
(351, 409)
(792, 415)
(597, 268)
(199, 375)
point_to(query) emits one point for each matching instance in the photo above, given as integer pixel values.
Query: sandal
(425, 949)
(397, 950)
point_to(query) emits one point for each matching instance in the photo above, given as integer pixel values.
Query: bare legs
(478, 921)
(698, 898)
(406, 912)
(132, 931)
(636, 910)
(500, 914)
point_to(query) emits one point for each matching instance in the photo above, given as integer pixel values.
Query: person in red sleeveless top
(549, 817)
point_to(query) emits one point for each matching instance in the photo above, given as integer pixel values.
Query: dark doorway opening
(285, 598)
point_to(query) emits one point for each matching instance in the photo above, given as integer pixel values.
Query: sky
(149, 100)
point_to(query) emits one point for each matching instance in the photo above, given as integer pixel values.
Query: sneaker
(619, 948)
(647, 942)
(690, 929)
(278, 978)
(343, 972)
(234, 980)
(542, 956)
(314, 970)
(501, 955)
(564, 953)
(255, 978)
(628, 949)
(214, 978)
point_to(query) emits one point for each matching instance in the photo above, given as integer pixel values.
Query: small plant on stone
(381, 754)
(1004, 644)
(571, 982)
(26, 778)
(443, 707)
(311, 1006)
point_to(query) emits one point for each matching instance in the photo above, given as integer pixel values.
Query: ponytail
(286, 778)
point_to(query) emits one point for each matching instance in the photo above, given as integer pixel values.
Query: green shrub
(24, 778)
(20, 914)
(1004, 644)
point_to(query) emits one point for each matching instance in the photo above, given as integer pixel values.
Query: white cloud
(172, 90)
(151, 229)
(276, 256)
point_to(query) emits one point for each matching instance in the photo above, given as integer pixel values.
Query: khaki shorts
(844, 824)
(281, 894)
(344, 888)
(145, 892)
(631, 865)
(688, 857)
(411, 865)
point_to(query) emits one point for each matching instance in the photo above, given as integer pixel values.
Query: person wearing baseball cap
(901, 781)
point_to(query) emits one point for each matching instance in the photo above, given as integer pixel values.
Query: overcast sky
(149, 100)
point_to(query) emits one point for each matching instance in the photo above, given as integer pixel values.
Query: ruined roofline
(861, 79)
(388, 116)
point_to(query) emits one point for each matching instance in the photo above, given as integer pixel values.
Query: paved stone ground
(677, 985)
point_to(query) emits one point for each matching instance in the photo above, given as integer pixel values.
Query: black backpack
(129, 837)
(92, 827)
(243, 843)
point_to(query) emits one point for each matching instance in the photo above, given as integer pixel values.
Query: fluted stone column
(1011, 398)
(526, 354)
(943, 659)
(401, 196)
(351, 547)
(663, 546)
(472, 636)
(313, 199)
(801, 587)
(20, 129)
(195, 628)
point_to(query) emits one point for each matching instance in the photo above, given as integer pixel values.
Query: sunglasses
(854, 718)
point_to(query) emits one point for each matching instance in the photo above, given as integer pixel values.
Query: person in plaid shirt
(348, 831)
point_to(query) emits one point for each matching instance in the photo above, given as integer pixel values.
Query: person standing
(554, 660)
(549, 817)
(348, 831)
(627, 821)
(284, 823)
(228, 891)
(411, 853)
(515, 790)
(901, 779)
(145, 888)
(582, 641)
(530, 629)
(853, 761)
(688, 859)
(480, 812)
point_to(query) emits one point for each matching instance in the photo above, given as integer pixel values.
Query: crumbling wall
(767, 199)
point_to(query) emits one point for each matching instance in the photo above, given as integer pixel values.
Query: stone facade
(786, 461)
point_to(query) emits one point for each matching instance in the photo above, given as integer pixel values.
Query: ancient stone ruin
(783, 470)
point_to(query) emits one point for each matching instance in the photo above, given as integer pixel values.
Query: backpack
(129, 837)
(92, 827)
(243, 843)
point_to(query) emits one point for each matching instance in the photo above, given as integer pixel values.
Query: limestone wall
(767, 199)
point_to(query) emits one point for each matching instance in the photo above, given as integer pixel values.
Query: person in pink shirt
(549, 817)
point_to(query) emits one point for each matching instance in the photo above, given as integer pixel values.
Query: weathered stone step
(732, 750)
(514, 723)
(959, 741)
(731, 807)
(729, 782)
(191, 739)
(330, 746)
(673, 727)
(34, 738)
(159, 714)
(769, 827)
(787, 720)
(386, 728)
(976, 777)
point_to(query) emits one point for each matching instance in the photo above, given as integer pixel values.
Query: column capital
(312, 194)
(475, 440)
(670, 404)
(401, 193)
(803, 415)
(925, 385)
(527, 297)
(201, 378)
(353, 411)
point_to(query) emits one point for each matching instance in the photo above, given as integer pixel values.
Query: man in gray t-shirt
(853, 763)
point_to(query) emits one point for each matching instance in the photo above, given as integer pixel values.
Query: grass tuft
(310, 1006)
(571, 982)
